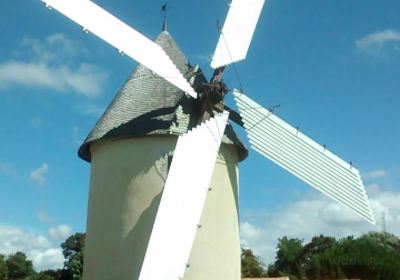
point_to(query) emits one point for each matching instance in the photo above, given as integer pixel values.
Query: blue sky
(333, 66)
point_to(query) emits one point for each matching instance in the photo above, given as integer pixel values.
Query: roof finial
(164, 9)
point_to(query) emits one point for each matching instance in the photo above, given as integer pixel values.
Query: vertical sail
(182, 201)
(237, 32)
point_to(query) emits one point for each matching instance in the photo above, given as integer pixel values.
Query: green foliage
(368, 259)
(42, 276)
(74, 266)
(19, 267)
(73, 249)
(73, 245)
(252, 266)
(387, 240)
(3, 268)
(373, 256)
(288, 259)
(324, 263)
(317, 245)
(59, 274)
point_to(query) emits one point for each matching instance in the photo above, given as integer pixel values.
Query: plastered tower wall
(127, 178)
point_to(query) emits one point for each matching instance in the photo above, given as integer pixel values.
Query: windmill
(175, 225)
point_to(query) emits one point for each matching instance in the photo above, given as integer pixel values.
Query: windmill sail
(301, 156)
(237, 32)
(126, 39)
(182, 201)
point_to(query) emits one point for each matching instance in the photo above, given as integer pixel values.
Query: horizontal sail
(304, 158)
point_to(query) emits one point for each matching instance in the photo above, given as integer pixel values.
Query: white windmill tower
(162, 208)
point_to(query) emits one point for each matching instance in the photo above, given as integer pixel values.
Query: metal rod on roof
(164, 9)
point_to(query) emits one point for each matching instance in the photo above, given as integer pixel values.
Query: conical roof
(149, 105)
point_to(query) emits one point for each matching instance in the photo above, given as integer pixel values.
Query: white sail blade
(237, 32)
(298, 154)
(126, 39)
(182, 201)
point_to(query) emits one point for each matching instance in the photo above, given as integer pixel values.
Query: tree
(44, 276)
(3, 268)
(387, 240)
(324, 263)
(252, 266)
(59, 274)
(19, 267)
(288, 259)
(317, 245)
(370, 259)
(373, 256)
(73, 250)
(317, 258)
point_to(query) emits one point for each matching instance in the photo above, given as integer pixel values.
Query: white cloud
(306, 218)
(7, 169)
(37, 247)
(51, 258)
(49, 67)
(45, 217)
(60, 232)
(250, 234)
(380, 42)
(86, 80)
(52, 48)
(89, 109)
(38, 175)
(375, 174)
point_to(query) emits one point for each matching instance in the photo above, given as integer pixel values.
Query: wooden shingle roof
(149, 105)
